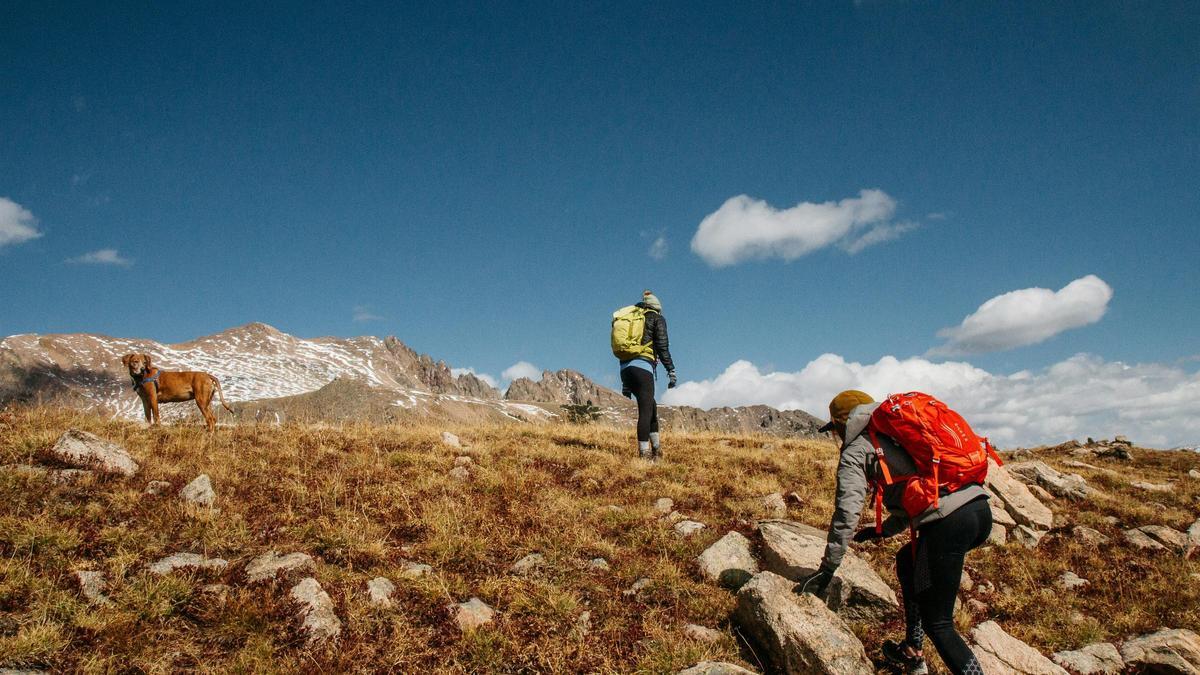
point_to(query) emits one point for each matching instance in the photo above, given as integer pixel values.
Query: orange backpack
(946, 452)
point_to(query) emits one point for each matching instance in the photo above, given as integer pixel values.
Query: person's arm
(662, 346)
(852, 488)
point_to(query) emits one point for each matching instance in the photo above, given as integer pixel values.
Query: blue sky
(488, 182)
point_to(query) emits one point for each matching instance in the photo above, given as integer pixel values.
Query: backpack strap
(883, 466)
(992, 452)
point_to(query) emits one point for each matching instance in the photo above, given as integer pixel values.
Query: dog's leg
(152, 397)
(146, 407)
(204, 402)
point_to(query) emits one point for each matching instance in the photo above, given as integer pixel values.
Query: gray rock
(999, 515)
(774, 505)
(598, 564)
(460, 473)
(92, 585)
(664, 505)
(1041, 493)
(267, 565)
(728, 561)
(1152, 487)
(1069, 581)
(1027, 536)
(528, 564)
(998, 536)
(674, 517)
(380, 590)
(637, 587)
(1067, 485)
(794, 551)
(1193, 473)
(472, 614)
(1193, 538)
(1142, 540)
(1172, 539)
(715, 668)
(702, 634)
(584, 623)
(412, 570)
(1101, 658)
(798, 633)
(180, 561)
(319, 622)
(1089, 536)
(1017, 499)
(463, 461)
(977, 607)
(1006, 654)
(83, 450)
(157, 488)
(686, 528)
(451, 440)
(966, 583)
(199, 491)
(1168, 651)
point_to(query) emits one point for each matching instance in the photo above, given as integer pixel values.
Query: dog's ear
(147, 357)
(125, 360)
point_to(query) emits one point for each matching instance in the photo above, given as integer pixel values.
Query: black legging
(929, 581)
(641, 382)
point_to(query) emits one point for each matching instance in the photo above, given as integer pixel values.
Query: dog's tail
(220, 394)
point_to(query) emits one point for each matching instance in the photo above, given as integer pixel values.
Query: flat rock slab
(180, 561)
(1017, 499)
(319, 622)
(412, 570)
(380, 590)
(199, 491)
(1142, 540)
(1172, 539)
(529, 564)
(1101, 658)
(1166, 651)
(83, 450)
(1066, 485)
(794, 551)
(715, 668)
(267, 565)
(1089, 536)
(1152, 487)
(798, 633)
(728, 561)
(472, 614)
(995, 647)
(686, 528)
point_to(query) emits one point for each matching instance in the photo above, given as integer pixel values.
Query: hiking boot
(911, 663)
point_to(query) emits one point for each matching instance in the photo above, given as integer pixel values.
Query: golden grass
(362, 500)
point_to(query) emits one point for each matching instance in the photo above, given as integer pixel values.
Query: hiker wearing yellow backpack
(639, 340)
(919, 461)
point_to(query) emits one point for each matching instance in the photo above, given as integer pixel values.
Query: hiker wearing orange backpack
(920, 462)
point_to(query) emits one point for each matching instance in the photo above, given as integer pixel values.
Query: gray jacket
(857, 468)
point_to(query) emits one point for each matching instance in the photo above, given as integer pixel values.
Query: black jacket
(656, 333)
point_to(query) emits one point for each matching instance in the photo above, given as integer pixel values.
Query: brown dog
(155, 386)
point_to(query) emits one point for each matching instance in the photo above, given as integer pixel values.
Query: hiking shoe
(894, 653)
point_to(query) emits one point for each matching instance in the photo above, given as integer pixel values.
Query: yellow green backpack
(628, 328)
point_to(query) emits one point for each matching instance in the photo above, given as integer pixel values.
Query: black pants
(641, 382)
(929, 581)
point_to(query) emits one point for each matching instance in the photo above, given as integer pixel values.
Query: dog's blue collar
(138, 382)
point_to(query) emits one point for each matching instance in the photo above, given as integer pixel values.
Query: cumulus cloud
(17, 224)
(658, 249)
(487, 379)
(104, 256)
(1026, 317)
(745, 228)
(521, 369)
(1152, 404)
(363, 313)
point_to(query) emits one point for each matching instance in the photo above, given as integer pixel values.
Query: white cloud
(17, 224)
(363, 313)
(1152, 404)
(745, 228)
(658, 249)
(104, 256)
(1026, 317)
(521, 369)
(488, 379)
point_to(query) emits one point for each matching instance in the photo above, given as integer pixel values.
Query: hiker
(639, 340)
(930, 565)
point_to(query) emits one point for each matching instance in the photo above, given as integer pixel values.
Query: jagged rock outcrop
(1101, 658)
(1067, 485)
(563, 387)
(1016, 499)
(1168, 651)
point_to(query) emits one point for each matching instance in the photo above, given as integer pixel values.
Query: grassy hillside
(363, 500)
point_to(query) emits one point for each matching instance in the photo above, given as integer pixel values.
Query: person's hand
(672, 381)
(626, 392)
(815, 583)
(866, 534)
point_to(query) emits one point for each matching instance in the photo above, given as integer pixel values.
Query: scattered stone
(92, 585)
(528, 564)
(794, 551)
(728, 561)
(267, 565)
(715, 668)
(998, 536)
(598, 564)
(1166, 651)
(157, 488)
(1121, 453)
(181, 561)
(674, 517)
(53, 476)
(1017, 499)
(798, 632)
(977, 607)
(1027, 536)
(219, 592)
(1172, 539)
(1193, 539)
(702, 634)
(199, 491)
(614, 508)
(686, 528)
(1193, 473)
(795, 499)
(472, 614)
(460, 473)
(1152, 487)
(1069, 581)
(1142, 540)
(1121, 440)
(1000, 652)
(584, 622)
(412, 570)
(451, 440)
(380, 590)
(83, 450)
(999, 515)
(1041, 493)
(637, 587)
(664, 505)
(1089, 536)
(966, 583)
(1101, 658)
(319, 621)
(774, 505)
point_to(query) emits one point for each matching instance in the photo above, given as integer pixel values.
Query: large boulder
(1168, 651)
(1017, 499)
(794, 551)
(83, 450)
(728, 561)
(798, 633)
(1068, 485)
(999, 652)
(1101, 658)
